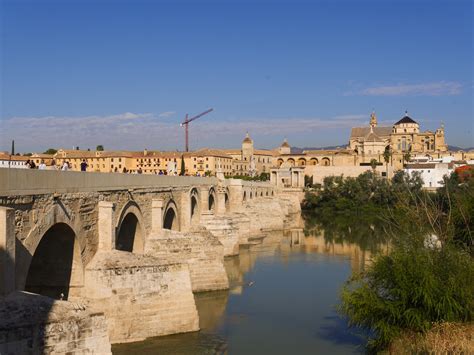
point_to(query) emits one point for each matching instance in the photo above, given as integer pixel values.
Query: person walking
(65, 166)
(84, 165)
(42, 166)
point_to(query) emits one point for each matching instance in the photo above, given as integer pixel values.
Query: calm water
(284, 289)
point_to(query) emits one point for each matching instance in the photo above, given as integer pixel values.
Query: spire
(373, 119)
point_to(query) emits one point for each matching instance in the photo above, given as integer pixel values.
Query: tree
(183, 167)
(100, 148)
(386, 157)
(51, 151)
(373, 164)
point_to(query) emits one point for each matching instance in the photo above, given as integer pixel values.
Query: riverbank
(427, 277)
(442, 338)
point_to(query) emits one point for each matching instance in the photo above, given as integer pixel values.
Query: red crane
(186, 122)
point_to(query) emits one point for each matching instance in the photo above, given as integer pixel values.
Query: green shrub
(409, 289)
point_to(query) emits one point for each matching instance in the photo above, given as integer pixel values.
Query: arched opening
(226, 201)
(130, 235)
(313, 161)
(279, 162)
(251, 195)
(245, 196)
(291, 161)
(194, 207)
(56, 267)
(301, 162)
(211, 200)
(326, 162)
(267, 193)
(170, 221)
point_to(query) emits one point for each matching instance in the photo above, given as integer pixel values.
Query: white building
(13, 161)
(432, 172)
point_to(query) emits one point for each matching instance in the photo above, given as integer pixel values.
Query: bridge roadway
(127, 251)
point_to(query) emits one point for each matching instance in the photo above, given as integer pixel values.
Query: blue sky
(124, 73)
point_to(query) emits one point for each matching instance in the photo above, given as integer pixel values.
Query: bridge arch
(56, 269)
(171, 216)
(25, 250)
(130, 229)
(212, 199)
(195, 205)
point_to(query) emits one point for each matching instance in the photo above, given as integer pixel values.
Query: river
(282, 299)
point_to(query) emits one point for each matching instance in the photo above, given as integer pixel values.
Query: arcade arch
(212, 199)
(195, 206)
(130, 234)
(325, 161)
(170, 217)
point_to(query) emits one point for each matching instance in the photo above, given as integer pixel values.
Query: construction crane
(186, 122)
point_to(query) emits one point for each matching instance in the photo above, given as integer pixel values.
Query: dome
(406, 119)
(285, 144)
(247, 139)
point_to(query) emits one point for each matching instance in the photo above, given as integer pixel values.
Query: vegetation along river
(283, 296)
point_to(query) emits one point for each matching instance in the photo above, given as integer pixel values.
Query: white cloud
(440, 88)
(352, 117)
(145, 130)
(166, 114)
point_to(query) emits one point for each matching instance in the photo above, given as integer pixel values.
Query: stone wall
(320, 172)
(140, 295)
(199, 249)
(34, 324)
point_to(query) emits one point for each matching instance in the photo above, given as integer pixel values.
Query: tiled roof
(360, 132)
(14, 157)
(210, 153)
(405, 119)
(421, 166)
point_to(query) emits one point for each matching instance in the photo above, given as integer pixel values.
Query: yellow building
(208, 161)
(249, 161)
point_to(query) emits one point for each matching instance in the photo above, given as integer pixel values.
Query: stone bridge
(119, 256)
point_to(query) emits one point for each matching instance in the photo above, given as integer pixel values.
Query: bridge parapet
(34, 182)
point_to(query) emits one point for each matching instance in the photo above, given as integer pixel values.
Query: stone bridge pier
(115, 256)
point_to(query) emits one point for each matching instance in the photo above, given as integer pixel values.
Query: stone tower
(247, 148)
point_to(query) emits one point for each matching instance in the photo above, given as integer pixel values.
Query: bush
(410, 289)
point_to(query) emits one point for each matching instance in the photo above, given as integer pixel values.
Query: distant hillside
(297, 150)
(455, 148)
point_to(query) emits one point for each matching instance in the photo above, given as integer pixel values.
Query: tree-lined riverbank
(427, 277)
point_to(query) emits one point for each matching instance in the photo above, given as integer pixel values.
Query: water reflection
(283, 292)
